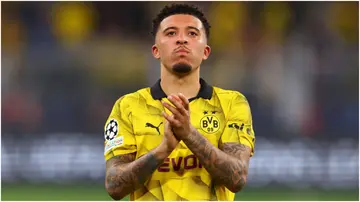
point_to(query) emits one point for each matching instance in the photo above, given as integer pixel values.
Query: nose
(181, 40)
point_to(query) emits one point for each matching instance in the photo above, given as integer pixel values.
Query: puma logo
(234, 125)
(152, 126)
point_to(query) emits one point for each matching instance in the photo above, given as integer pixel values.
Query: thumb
(167, 126)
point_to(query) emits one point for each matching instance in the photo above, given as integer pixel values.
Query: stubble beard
(182, 68)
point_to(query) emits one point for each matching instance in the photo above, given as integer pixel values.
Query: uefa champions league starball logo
(111, 129)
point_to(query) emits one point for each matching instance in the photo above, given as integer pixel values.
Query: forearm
(123, 179)
(224, 168)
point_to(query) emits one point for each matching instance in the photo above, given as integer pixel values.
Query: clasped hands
(178, 125)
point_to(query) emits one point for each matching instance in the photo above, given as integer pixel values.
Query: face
(181, 43)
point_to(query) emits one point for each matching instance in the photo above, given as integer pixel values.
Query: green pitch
(96, 192)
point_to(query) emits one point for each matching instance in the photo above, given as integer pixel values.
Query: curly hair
(180, 9)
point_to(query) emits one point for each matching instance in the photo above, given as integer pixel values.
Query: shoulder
(229, 95)
(133, 99)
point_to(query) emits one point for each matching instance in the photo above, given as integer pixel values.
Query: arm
(124, 174)
(228, 166)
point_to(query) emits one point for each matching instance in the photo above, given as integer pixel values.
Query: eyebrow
(188, 27)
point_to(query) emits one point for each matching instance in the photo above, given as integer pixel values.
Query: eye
(171, 33)
(193, 34)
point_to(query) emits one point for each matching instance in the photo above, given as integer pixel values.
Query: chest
(149, 125)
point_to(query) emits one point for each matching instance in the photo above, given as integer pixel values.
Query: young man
(181, 139)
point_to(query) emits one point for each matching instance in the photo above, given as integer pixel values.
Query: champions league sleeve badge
(111, 130)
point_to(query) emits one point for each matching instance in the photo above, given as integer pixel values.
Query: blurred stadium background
(64, 64)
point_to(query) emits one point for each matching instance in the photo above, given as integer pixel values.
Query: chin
(182, 68)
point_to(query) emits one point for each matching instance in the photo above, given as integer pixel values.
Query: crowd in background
(65, 64)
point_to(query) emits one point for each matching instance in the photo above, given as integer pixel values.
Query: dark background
(64, 64)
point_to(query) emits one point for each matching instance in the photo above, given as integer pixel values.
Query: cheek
(200, 52)
(164, 49)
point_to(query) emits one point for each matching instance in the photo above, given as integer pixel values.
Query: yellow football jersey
(137, 125)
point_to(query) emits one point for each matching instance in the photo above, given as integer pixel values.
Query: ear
(155, 51)
(207, 51)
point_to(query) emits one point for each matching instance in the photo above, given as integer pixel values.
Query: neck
(188, 85)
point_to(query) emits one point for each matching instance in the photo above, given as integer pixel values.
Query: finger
(178, 99)
(173, 110)
(174, 100)
(185, 101)
(171, 120)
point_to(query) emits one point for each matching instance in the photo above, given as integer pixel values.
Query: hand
(180, 118)
(169, 142)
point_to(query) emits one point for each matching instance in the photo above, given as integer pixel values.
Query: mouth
(182, 50)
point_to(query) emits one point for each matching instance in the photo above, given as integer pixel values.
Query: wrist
(190, 134)
(163, 150)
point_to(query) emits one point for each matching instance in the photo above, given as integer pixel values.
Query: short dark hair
(175, 9)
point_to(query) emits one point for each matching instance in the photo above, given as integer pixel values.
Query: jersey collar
(205, 91)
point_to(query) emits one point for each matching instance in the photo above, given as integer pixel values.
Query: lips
(181, 50)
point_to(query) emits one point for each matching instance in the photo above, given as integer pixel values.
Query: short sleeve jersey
(136, 125)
